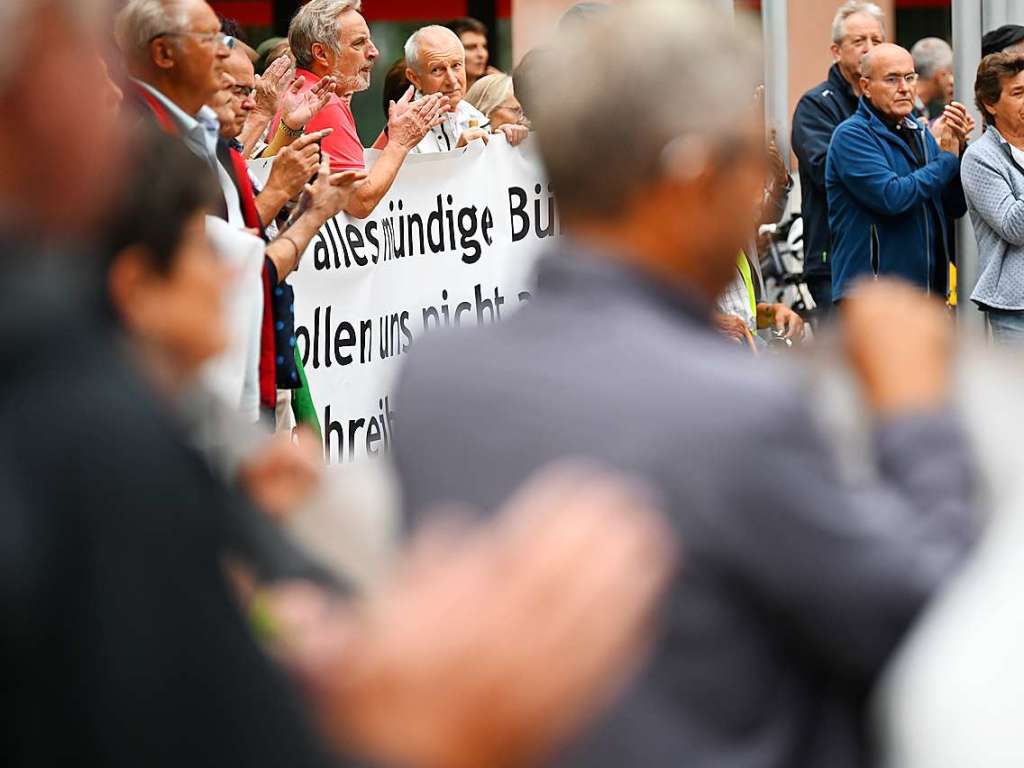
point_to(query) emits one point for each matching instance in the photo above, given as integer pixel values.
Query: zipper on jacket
(875, 251)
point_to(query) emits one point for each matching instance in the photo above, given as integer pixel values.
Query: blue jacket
(817, 114)
(883, 208)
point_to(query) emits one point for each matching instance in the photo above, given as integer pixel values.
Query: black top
(120, 640)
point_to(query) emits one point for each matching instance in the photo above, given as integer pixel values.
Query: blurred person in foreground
(857, 28)
(892, 184)
(120, 631)
(993, 181)
(436, 64)
(795, 588)
(473, 36)
(933, 62)
(495, 97)
(330, 38)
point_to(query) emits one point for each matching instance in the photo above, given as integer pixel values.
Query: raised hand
(272, 84)
(295, 164)
(566, 578)
(409, 121)
(299, 107)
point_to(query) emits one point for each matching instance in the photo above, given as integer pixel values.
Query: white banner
(452, 244)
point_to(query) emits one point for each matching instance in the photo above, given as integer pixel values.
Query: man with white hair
(436, 64)
(794, 590)
(330, 37)
(857, 27)
(175, 53)
(933, 60)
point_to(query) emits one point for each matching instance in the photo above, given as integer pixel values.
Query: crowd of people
(633, 547)
(886, 167)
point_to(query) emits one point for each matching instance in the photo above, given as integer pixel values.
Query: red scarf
(251, 216)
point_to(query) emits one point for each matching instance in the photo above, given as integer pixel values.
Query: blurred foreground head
(58, 146)
(648, 131)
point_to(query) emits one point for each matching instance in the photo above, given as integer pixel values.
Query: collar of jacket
(884, 130)
(1002, 143)
(840, 84)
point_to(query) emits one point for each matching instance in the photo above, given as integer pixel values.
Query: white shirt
(200, 134)
(445, 137)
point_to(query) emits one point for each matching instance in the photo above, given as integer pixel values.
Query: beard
(354, 83)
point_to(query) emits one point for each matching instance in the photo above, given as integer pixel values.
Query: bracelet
(294, 133)
(298, 254)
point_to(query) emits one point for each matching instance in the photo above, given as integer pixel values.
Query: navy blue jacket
(887, 214)
(817, 114)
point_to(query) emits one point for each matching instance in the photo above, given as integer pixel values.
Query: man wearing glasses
(892, 184)
(176, 55)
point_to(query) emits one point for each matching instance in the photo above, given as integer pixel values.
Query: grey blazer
(793, 592)
(994, 186)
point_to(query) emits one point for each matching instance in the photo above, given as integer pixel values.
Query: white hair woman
(495, 97)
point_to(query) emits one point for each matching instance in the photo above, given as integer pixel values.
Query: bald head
(888, 80)
(886, 56)
(437, 63)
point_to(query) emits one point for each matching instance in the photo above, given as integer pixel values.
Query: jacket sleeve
(812, 131)
(864, 172)
(954, 202)
(992, 197)
(847, 569)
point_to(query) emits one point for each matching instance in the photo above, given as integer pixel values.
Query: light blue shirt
(200, 134)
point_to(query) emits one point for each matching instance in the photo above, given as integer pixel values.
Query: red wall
(258, 13)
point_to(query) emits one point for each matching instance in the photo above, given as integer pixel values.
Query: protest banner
(453, 244)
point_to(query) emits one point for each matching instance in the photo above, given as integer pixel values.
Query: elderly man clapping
(437, 64)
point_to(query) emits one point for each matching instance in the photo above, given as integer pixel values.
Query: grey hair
(414, 45)
(673, 74)
(317, 22)
(931, 55)
(140, 21)
(488, 93)
(848, 9)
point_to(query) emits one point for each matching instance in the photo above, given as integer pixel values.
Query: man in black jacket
(857, 28)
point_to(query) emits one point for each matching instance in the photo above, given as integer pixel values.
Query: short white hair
(414, 45)
(850, 8)
(931, 55)
(140, 21)
(622, 107)
(317, 22)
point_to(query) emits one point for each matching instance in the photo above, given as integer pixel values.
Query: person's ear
(321, 55)
(865, 86)
(835, 51)
(163, 53)
(990, 108)
(412, 77)
(128, 280)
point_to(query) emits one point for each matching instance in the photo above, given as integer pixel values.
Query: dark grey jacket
(793, 592)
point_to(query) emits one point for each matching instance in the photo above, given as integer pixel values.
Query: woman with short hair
(992, 173)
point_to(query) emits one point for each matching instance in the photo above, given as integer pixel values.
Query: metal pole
(775, 31)
(994, 13)
(967, 55)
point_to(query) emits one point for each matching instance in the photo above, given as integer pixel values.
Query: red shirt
(343, 147)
